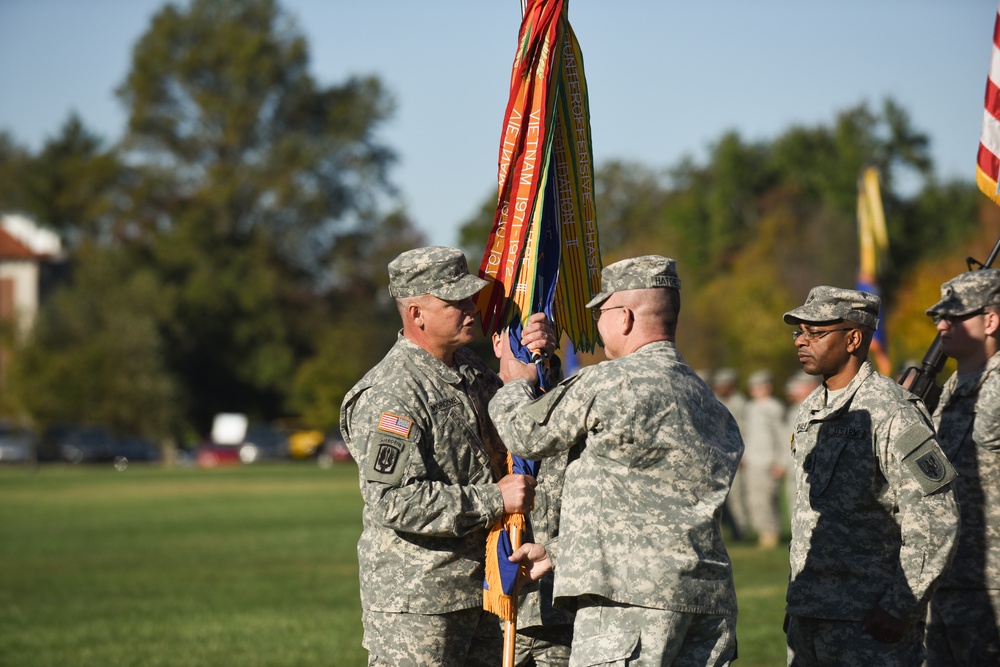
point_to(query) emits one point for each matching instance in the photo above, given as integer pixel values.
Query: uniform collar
(815, 402)
(432, 365)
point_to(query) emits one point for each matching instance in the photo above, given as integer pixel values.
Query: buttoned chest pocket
(456, 454)
(840, 473)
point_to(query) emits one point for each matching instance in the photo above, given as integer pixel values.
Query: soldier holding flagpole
(430, 468)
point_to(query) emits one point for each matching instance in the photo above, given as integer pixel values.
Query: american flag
(988, 160)
(394, 424)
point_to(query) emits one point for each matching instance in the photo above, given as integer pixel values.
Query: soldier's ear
(415, 313)
(855, 339)
(991, 322)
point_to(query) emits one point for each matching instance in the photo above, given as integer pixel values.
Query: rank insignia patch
(395, 424)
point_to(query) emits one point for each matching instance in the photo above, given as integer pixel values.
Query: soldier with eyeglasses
(640, 554)
(963, 626)
(874, 519)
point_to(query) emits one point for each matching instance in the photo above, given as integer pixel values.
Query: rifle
(924, 379)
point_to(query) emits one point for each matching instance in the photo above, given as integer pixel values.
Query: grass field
(251, 565)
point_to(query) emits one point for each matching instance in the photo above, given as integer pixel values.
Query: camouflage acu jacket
(968, 423)
(642, 502)
(535, 604)
(421, 436)
(874, 518)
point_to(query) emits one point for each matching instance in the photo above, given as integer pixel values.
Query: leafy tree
(70, 185)
(96, 355)
(13, 161)
(247, 175)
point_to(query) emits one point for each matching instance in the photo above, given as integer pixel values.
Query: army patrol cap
(725, 376)
(643, 272)
(762, 376)
(437, 270)
(829, 304)
(800, 377)
(967, 293)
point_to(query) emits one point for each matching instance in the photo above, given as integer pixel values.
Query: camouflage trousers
(963, 628)
(818, 642)
(606, 633)
(465, 638)
(543, 646)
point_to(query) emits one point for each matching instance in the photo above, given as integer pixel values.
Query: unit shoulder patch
(929, 466)
(387, 461)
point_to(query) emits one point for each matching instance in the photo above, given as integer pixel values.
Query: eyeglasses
(951, 319)
(811, 335)
(597, 312)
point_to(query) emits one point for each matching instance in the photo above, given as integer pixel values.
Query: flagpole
(510, 627)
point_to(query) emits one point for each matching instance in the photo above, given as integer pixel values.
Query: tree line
(229, 253)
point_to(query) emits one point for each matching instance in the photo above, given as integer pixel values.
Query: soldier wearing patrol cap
(640, 552)
(431, 471)
(964, 622)
(874, 519)
(763, 465)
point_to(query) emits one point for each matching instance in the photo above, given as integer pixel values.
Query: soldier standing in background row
(640, 555)
(964, 621)
(875, 520)
(797, 388)
(736, 514)
(432, 472)
(763, 465)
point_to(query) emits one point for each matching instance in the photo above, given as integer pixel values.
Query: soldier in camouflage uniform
(763, 465)
(874, 519)
(736, 511)
(797, 389)
(964, 620)
(640, 553)
(431, 472)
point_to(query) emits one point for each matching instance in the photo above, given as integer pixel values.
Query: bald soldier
(431, 471)
(964, 622)
(874, 519)
(640, 553)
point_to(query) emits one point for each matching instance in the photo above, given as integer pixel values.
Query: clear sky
(666, 77)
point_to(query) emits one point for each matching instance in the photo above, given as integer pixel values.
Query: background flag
(988, 161)
(873, 241)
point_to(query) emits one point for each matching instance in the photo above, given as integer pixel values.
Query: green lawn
(251, 565)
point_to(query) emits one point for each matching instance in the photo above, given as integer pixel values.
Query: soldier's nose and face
(822, 350)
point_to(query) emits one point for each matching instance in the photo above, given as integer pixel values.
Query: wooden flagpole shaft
(510, 627)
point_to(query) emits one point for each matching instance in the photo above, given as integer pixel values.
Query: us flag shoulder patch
(395, 424)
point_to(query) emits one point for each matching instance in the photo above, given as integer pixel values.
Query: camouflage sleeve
(536, 429)
(986, 429)
(400, 480)
(920, 475)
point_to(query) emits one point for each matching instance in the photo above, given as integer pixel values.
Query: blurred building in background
(31, 262)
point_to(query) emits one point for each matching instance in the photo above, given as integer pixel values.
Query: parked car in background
(305, 443)
(15, 443)
(265, 442)
(333, 451)
(75, 444)
(94, 444)
(210, 455)
(235, 440)
(134, 449)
